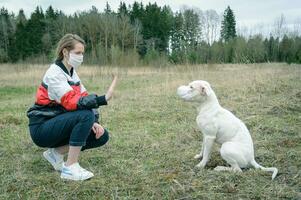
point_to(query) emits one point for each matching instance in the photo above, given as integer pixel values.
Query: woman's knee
(97, 142)
(104, 138)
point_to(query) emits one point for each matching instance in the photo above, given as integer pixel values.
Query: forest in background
(141, 34)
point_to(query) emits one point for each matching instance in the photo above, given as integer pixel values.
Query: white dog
(220, 125)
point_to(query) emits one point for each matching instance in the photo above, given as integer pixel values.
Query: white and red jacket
(59, 92)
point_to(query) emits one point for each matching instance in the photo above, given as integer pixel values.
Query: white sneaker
(75, 172)
(55, 159)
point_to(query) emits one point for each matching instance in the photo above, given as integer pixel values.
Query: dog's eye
(191, 87)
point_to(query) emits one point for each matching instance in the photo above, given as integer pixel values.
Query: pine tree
(122, 10)
(177, 35)
(228, 29)
(271, 49)
(177, 39)
(298, 49)
(50, 13)
(136, 17)
(286, 49)
(136, 12)
(7, 31)
(36, 27)
(107, 9)
(192, 29)
(157, 24)
(51, 36)
(21, 44)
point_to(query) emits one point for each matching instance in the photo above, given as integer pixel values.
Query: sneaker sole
(72, 178)
(57, 168)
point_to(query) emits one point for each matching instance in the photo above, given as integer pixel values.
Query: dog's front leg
(207, 146)
(200, 155)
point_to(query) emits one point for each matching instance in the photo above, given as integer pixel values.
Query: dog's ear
(205, 89)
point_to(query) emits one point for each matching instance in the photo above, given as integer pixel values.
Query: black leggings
(73, 128)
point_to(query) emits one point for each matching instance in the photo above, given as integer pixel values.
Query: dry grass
(154, 136)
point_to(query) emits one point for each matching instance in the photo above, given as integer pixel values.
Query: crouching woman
(64, 117)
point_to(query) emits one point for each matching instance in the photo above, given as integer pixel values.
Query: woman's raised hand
(110, 91)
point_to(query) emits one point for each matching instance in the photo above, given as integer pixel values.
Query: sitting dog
(220, 125)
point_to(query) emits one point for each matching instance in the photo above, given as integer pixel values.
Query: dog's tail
(268, 169)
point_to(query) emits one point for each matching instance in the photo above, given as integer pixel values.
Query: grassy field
(154, 135)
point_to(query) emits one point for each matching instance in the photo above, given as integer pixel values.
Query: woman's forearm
(110, 91)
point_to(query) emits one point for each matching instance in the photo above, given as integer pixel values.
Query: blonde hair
(68, 41)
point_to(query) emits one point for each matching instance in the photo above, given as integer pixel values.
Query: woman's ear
(65, 52)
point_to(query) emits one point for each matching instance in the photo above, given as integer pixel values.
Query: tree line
(143, 34)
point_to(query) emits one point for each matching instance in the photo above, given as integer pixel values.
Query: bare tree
(243, 31)
(210, 23)
(125, 29)
(106, 31)
(297, 27)
(280, 27)
(136, 34)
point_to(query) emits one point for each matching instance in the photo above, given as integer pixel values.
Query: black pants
(73, 128)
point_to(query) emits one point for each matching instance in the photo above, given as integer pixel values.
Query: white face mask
(75, 60)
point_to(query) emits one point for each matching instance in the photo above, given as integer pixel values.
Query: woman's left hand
(98, 130)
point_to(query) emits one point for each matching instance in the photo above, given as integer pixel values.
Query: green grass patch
(154, 136)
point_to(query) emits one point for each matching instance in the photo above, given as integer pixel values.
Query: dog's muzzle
(182, 91)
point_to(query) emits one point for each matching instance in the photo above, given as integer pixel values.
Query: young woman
(64, 117)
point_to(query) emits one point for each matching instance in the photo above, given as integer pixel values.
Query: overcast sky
(247, 12)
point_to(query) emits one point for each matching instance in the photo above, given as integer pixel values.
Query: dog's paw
(201, 165)
(219, 168)
(198, 156)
